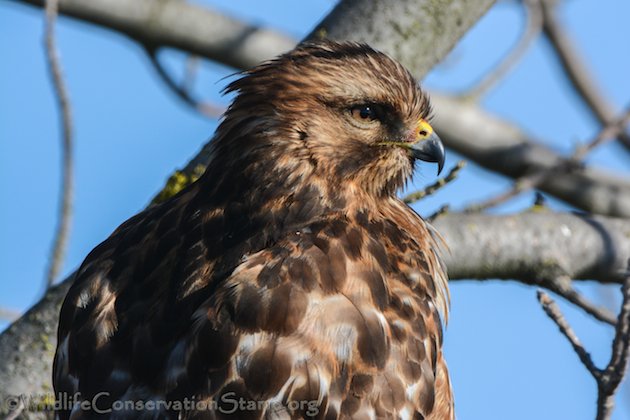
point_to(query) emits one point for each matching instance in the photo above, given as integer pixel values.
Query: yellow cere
(423, 130)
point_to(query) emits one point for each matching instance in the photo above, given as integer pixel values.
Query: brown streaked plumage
(289, 273)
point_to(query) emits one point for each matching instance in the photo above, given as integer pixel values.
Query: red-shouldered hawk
(289, 281)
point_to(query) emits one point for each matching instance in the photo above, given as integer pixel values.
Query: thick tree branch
(418, 33)
(28, 346)
(536, 247)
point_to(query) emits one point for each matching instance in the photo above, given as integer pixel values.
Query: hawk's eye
(365, 114)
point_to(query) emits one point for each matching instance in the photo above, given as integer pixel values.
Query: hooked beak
(430, 149)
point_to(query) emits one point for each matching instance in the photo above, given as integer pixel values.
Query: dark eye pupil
(365, 112)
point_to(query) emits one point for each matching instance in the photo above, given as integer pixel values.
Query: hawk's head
(343, 112)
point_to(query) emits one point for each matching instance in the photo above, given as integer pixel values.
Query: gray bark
(27, 348)
(418, 33)
(535, 247)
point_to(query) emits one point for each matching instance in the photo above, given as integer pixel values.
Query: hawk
(289, 281)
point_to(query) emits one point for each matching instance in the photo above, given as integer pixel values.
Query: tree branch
(564, 165)
(533, 27)
(60, 241)
(563, 287)
(553, 311)
(498, 145)
(537, 245)
(182, 25)
(576, 70)
(609, 378)
(436, 186)
(614, 373)
(418, 33)
(182, 92)
(501, 147)
(28, 346)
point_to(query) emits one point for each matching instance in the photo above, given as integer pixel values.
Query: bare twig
(535, 179)
(67, 182)
(552, 310)
(609, 378)
(576, 70)
(563, 287)
(532, 29)
(439, 212)
(610, 130)
(182, 91)
(613, 374)
(504, 148)
(437, 185)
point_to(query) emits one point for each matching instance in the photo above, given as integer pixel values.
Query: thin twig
(610, 130)
(564, 288)
(439, 212)
(576, 70)
(204, 108)
(533, 27)
(552, 310)
(533, 180)
(60, 242)
(609, 378)
(614, 373)
(437, 185)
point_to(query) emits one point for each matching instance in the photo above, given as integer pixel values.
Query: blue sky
(506, 358)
